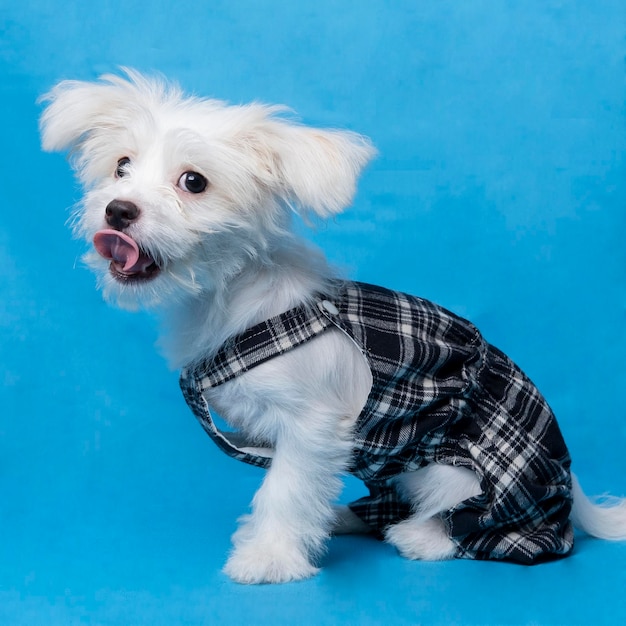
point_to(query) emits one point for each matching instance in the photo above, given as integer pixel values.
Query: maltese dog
(187, 208)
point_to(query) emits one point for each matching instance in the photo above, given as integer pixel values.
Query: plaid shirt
(440, 394)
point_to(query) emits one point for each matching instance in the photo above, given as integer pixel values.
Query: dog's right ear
(81, 116)
(73, 109)
(77, 117)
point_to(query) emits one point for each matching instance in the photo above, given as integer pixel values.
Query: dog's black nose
(121, 213)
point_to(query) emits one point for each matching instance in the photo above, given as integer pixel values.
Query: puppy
(187, 207)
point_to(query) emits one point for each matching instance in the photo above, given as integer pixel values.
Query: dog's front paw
(253, 564)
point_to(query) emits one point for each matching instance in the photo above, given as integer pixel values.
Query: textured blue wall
(499, 191)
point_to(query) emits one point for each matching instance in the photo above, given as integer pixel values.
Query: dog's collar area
(266, 340)
(256, 345)
(328, 306)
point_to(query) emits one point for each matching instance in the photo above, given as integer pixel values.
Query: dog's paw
(425, 540)
(253, 564)
(348, 523)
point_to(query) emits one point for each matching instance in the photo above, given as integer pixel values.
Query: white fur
(605, 519)
(228, 260)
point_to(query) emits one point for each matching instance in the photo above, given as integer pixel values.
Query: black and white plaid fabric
(440, 394)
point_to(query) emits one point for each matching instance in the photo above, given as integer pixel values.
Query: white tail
(605, 519)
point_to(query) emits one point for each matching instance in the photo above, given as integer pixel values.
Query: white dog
(188, 206)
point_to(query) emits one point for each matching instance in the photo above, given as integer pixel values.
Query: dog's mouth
(129, 263)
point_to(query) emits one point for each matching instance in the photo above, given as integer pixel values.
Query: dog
(187, 210)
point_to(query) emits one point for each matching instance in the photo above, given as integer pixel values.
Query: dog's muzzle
(128, 261)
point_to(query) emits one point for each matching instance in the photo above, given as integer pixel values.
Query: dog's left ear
(315, 169)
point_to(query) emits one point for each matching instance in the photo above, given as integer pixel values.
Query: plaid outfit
(440, 394)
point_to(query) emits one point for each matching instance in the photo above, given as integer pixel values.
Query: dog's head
(181, 192)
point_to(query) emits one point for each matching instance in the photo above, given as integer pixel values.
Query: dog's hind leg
(432, 491)
(425, 540)
(348, 523)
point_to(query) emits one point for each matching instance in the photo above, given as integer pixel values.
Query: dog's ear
(73, 110)
(315, 169)
(79, 118)
(83, 117)
(77, 112)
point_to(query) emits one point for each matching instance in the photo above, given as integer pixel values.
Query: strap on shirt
(264, 341)
(256, 345)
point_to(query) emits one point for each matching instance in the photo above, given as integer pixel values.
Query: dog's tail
(605, 518)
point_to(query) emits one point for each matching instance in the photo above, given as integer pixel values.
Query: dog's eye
(192, 182)
(120, 170)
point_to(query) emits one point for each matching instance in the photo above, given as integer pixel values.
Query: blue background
(500, 192)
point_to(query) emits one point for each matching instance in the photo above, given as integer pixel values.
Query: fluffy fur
(226, 259)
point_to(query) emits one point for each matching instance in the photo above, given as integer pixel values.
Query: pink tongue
(119, 248)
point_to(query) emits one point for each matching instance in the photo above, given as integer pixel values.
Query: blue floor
(500, 192)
